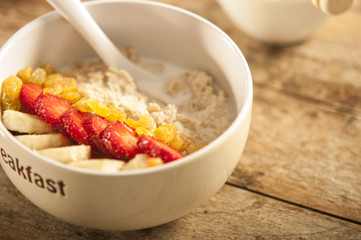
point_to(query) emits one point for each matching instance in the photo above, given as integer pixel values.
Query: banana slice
(138, 162)
(25, 123)
(101, 165)
(42, 141)
(67, 154)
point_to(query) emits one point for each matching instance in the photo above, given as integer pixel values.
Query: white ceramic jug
(281, 21)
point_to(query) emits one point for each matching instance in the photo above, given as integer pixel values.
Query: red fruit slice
(28, 94)
(120, 140)
(156, 148)
(50, 108)
(71, 122)
(94, 126)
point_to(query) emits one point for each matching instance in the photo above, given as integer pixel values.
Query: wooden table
(300, 174)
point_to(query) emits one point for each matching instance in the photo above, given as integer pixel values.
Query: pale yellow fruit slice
(100, 165)
(67, 154)
(42, 141)
(138, 162)
(25, 123)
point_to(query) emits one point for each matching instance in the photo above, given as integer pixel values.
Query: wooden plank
(325, 69)
(303, 152)
(304, 144)
(232, 213)
(15, 14)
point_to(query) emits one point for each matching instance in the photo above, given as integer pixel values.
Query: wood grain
(304, 143)
(231, 214)
(303, 152)
(16, 13)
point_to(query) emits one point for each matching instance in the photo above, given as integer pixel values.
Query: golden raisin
(147, 122)
(49, 69)
(82, 105)
(142, 130)
(152, 162)
(165, 132)
(72, 97)
(24, 74)
(115, 114)
(38, 76)
(121, 116)
(9, 103)
(98, 107)
(179, 141)
(53, 80)
(69, 84)
(53, 90)
(132, 123)
(11, 87)
(65, 83)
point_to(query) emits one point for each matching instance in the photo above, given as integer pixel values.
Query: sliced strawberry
(120, 140)
(156, 148)
(28, 94)
(50, 108)
(94, 125)
(71, 122)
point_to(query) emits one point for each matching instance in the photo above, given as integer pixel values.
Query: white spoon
(77, 15)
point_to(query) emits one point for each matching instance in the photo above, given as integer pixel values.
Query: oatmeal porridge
(95, 105)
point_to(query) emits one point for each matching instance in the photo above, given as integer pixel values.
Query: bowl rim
(241, 116)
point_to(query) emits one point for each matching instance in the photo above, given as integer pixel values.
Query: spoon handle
(74, 12)
(77, 15)
(333, 7)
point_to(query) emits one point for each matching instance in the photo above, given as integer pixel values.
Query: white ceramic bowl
(141, 198)
(275, 21)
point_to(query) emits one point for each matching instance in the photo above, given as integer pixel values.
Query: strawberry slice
(50, 108)
(71, 123)
(120, 140)
(156, 148)
(94, 125)
(28, 94)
